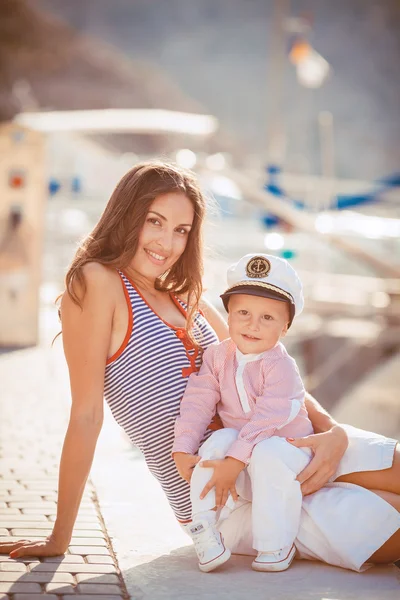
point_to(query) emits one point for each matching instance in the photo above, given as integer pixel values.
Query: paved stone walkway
(33, 419)
(156, 558)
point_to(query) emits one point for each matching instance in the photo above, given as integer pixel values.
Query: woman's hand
(185, 463)
(226, 471)
(48, 547)
(328, 449)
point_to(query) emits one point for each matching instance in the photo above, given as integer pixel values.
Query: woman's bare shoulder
(97, 274)
(98, 280)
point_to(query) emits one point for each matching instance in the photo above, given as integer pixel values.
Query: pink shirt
(258, 395)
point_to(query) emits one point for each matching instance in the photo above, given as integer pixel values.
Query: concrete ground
(135, 524)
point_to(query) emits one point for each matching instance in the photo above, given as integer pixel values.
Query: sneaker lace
(209, 537)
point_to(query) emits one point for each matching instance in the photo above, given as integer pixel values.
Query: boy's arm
(198, 405)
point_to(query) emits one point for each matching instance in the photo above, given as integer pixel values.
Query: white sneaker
(209, 545)
(274, 561)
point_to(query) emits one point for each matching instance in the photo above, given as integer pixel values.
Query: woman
(132, 331)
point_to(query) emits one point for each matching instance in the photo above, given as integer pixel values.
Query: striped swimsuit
(144, 384)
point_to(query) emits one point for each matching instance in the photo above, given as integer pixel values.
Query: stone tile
(85, 518)
(98, 588)
(6, 473)
(40, 505)
(89, 550)
(31, 532)
(88, 541)
(100, 560)
(26, 525)
(41, 510)
(46, 484)
(59, 588)
(74, 568)
(26, 521)
(34, 596)
(42, 492)
(13, 565)
(34, 577)
(15, 588)
(93, 578)
(24, 497)
(87, 533)
(10, 484)
(9, 511)
(30, 560)
(31, 475)
(91, 597)
(67, 558)
(16, 538)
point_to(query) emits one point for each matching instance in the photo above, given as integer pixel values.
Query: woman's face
(164, 234)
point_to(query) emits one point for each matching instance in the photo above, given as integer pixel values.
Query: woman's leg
(390, 551)
(386, 480)
(237, 530)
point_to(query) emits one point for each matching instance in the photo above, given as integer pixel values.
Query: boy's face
(255, 323)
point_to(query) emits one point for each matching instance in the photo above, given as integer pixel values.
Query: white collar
(246, 358)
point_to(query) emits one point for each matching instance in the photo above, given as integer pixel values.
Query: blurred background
(287, 111)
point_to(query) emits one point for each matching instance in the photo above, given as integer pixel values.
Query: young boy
(256, 388)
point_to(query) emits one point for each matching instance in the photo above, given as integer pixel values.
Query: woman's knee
(387, 480)
(218, 444)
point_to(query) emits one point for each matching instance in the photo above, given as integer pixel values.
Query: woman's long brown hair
(114, 240)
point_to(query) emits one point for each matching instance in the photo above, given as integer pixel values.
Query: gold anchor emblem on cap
(258, 267)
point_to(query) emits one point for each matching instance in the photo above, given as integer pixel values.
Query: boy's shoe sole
(216, 562)
(275, 567)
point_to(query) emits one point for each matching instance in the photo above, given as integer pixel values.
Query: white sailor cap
(268, 276)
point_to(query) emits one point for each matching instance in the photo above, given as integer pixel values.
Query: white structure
(22, 196)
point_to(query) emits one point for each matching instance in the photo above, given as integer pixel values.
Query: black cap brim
(258, 291)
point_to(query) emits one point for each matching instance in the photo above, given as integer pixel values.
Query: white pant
(341, 524)
(269, 481)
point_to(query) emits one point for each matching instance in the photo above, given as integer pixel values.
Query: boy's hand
(226, 472)
(185, 463)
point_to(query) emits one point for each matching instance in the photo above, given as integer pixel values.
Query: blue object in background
(272, 184)
(287, 254)
(54, 186)
(269, 220)
(76, 185)
(343, 201)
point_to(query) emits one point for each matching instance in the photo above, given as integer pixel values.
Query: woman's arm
(215, 319)
(86, 340)
(328, 444)
(319, 417)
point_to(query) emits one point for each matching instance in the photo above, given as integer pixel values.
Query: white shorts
(341, 524)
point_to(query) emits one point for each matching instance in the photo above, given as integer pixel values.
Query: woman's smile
(158, 259)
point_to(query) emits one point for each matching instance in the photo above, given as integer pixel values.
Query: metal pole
(327, 156)
(325, 127)
(276, 130)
